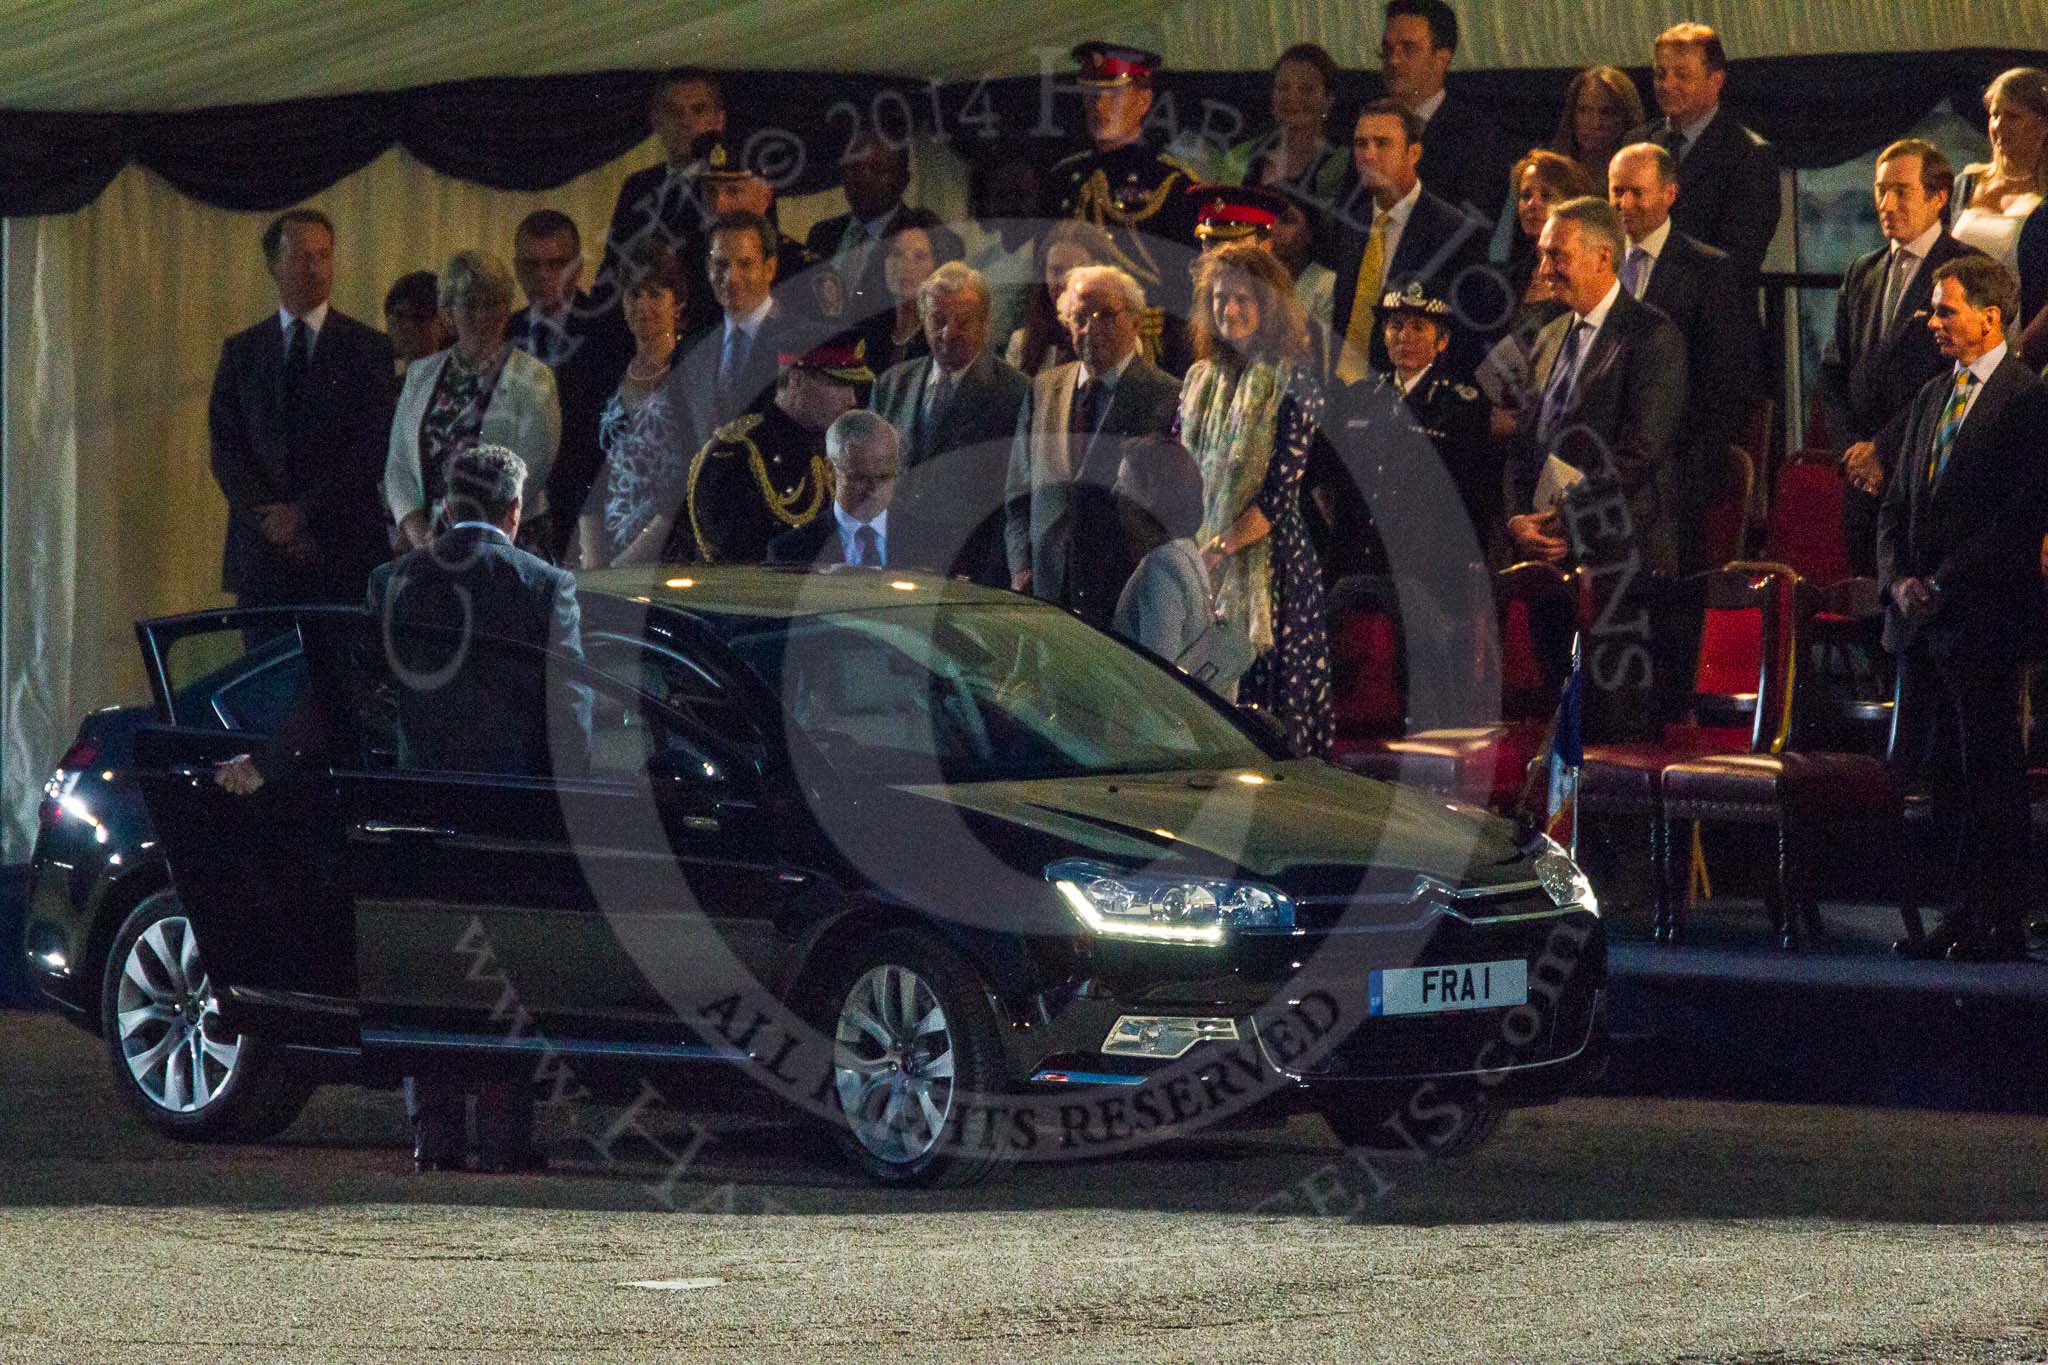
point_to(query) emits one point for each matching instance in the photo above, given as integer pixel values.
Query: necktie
(1559, 394)
(1951, 423)
(1087, 404)
(732, 360)
(867, 548)
(938, 396)
(1372, 268)
(1894, 286)
(1632, 271)
(294, 368)
(1675, 142)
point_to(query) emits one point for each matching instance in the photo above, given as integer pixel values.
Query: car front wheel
(914, 1046)
(172, 1061)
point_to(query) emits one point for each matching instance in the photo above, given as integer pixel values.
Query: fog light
(1165, 1036)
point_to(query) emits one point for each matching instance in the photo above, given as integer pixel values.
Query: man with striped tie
(1956, 559)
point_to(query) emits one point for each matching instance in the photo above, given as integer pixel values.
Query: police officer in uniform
(1131, 191)
(765, 473)
(1413, 505)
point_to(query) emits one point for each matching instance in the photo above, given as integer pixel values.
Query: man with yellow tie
(1395, 232)
(1956, 559)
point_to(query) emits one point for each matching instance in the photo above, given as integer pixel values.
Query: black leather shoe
(1938, 943)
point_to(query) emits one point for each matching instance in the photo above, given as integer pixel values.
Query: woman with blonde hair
(1249, 409)
(480, 391)
(1996, 207)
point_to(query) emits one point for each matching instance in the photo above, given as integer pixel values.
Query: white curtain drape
(113, 323)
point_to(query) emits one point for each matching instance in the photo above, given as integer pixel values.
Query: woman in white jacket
(480, 391)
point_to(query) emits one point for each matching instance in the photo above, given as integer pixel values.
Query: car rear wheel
(172, 1061)
(914, 1046)
(1432, 1131)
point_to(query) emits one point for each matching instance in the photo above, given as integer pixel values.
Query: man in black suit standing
(1611, 375)
(1400, 233)
(1882, 352)
(1957, 561)
(460, 709)
(585, 346)
(1465, 156)
(661, 203)
(874, 173)
(956, 410)
(1694, 285)
(865, 528)
(300, 421)
(1065, 539)
(1728, 194)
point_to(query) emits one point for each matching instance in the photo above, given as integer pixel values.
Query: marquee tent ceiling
(163, 55)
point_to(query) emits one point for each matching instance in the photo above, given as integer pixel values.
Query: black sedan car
(942, 866)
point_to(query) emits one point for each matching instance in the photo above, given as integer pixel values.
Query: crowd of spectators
(1300, 335)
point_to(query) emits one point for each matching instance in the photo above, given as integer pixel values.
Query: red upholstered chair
(1741, 703)
(1485, 764)
(1365, 670)
(1806, 518)
(1804, 792)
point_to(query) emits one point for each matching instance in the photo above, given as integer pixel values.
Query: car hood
(1306, 826)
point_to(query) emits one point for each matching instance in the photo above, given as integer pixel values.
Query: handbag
(1219, 656)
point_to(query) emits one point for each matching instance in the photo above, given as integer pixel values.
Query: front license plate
(1437, 990)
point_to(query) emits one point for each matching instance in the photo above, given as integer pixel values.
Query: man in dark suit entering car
(457, 712)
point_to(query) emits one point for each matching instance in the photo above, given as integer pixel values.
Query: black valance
(533, 133)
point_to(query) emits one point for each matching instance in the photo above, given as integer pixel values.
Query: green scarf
(1227, 421)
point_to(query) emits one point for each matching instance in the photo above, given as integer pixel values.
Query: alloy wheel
(893, 1064)
(169, 1020)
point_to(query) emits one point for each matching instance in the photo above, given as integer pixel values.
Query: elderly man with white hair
(1065, 540)
(956, 410)
(865, 528)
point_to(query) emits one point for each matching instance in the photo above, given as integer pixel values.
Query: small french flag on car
(1567, 756)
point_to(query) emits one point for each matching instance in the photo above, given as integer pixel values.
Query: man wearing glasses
(1065, 540)
(586, 347)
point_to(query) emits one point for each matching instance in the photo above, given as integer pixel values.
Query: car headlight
(1567, 886)
(1166, 909)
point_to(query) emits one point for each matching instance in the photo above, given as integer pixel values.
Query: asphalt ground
(1608, 1229)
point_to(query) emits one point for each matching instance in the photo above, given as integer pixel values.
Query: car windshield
(968, 693)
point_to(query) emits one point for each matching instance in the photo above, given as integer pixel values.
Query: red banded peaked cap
(1109, 65)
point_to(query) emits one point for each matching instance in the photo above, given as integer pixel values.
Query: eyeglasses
(1087, 317)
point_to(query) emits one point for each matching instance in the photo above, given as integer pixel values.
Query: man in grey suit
(1882, 352)
(1065, 539)
(731, 369)
(1611, 374)
(956, 410)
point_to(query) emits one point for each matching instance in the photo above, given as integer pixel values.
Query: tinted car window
(670, 677)
(985, 693)
(219, 680)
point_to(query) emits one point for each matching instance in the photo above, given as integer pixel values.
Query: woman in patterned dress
(1248, 410)
(480, 391)
(643, 427)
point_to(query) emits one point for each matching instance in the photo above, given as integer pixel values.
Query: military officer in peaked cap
(1127, 187)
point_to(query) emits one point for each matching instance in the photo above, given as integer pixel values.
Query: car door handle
(386, 829)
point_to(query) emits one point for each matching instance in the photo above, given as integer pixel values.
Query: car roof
(756, 591)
